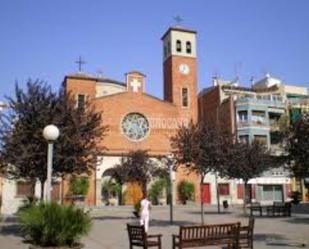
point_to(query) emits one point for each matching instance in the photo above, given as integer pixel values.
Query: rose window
(135, 126)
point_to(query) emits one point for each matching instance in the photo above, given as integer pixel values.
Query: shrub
(157, 190)
(186, 191)
(137, 208)
(52, 224)
(79, 185)
(111, 189)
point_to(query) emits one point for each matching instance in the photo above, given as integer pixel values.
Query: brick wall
(221, 115)
(174, 81)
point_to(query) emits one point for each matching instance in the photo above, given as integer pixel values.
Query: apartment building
(252, 113)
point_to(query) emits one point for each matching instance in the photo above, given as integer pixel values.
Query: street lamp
(50, 133)
(170, 159)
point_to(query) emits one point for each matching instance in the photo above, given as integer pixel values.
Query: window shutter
(23, 189)
(240, 191)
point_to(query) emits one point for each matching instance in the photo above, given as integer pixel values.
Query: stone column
(98, 192)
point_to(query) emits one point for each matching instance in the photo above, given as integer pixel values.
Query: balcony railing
(248, 123)
(299, 101)
(267, 102)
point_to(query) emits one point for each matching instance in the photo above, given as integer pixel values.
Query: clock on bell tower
(179, 69)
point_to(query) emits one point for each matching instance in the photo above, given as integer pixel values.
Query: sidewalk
(109, 227)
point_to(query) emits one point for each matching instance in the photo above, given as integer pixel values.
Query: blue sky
(42, 39)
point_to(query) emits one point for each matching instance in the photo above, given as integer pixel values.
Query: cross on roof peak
(80, 62)
(135, 84)
(178, 19)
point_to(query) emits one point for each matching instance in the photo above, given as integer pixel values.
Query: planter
(78, 200)
(162, 201)
(75, 246)
(225, 204)
(136, 214)
(112, 201)
(190, 203)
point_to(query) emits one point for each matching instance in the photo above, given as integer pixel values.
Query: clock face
(184, 69)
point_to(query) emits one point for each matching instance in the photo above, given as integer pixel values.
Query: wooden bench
(138, 237)
(279, 209)
(256, 207)
(204, 235)
(246, 234)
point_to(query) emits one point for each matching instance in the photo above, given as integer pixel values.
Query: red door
(206, 195)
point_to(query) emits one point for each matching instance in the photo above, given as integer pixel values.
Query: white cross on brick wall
(135, 84)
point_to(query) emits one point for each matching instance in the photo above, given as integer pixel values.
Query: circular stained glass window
(135, 126)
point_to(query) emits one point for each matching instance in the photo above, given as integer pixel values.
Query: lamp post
(170, 158)
(50, 133)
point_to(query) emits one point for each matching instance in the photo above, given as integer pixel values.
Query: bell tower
(179, 69)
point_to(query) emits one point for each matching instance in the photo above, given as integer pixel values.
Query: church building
(135, 119)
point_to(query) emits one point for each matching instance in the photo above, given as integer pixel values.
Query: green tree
(80, 143)
(137, 166)
(186, 191)
(297, 146)
(246, 161)
(200, 147)
(79, 185)
(23, 149)
(157, 190)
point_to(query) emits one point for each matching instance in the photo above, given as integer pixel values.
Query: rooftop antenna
(80, 62)
(252, 80)
(215, 76)
(215, 72)
(178, 19)
(237, 69)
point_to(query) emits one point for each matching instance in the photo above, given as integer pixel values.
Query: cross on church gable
(135, 84)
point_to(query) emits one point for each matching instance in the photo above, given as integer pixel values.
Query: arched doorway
(112, 193)
(110, 188)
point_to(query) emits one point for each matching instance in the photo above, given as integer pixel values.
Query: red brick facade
(168, 112)
(213, 112)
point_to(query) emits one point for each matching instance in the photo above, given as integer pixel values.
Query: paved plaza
(109, 227)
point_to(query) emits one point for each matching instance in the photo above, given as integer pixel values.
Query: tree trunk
(202, 201)
(217, 191)
(120, 194)
(62, 189)
(33, 182)
(144, 188)
(245, 197)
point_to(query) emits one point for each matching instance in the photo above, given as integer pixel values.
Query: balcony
(255, 123)
(270, 102)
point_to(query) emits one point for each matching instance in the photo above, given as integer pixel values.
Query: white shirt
(145, 207)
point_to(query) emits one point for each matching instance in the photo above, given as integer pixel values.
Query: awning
(268, 180)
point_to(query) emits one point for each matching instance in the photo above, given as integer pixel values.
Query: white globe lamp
(50, 133)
